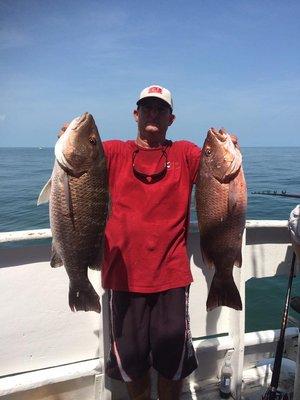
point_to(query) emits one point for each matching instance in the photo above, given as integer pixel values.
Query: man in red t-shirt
(146, 269)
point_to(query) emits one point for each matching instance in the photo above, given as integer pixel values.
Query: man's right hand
(63, 129)
(234, 138)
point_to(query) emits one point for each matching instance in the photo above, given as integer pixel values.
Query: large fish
(221, 201)
(78, 195)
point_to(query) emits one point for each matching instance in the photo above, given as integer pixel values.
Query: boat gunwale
(36, 234)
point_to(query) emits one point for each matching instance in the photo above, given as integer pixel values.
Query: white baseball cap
(156, 91)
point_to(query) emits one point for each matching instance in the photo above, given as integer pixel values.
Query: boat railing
(43, 342)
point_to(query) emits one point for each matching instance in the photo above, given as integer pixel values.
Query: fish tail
(84, 298)
(223, 293)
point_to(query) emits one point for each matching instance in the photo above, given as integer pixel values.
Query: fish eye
(92, 140)
(207, 152)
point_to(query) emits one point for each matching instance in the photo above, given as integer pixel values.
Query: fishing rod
(283, 193)
(272, 392)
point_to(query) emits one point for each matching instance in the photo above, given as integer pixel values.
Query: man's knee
(139, 389)
(169, 389)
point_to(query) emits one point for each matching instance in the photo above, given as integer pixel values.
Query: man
(294, 228)
(146, 267)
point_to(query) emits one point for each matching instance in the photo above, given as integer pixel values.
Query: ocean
(24, 171)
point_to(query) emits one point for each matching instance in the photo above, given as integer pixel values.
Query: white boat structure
(49, 353)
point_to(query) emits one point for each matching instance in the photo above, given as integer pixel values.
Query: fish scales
(220, 229)
(77, 231)
(78, 198)
(221, 208)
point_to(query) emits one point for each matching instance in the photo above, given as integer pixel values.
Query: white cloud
(2, 117)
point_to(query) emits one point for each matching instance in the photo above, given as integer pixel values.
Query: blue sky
(228, 63)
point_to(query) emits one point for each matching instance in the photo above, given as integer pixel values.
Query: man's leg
(129, 333)
(173, 354)
(169, 390)
(139, 389)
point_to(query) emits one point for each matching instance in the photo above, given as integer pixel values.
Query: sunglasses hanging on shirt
(150, 178)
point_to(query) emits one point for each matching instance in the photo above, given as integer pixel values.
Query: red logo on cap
(155, 89)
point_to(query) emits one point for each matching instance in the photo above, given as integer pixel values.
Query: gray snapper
(221, 202)
(78, 196)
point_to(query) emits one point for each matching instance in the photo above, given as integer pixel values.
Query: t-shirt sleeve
(193, 159)
(107, 151)
(111, 149)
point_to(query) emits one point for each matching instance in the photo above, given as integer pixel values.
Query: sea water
(24, 171)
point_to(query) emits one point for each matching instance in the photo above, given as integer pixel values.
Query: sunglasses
(150, 178)
(160, 109)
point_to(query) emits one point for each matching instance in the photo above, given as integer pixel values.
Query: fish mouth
(221, 135)
(71, 147)
(228, 159)
(228, 146)
(83, 120)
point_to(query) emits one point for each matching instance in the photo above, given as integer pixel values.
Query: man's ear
(136, 115)
(172, 119)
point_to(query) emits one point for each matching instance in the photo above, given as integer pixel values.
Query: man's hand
(63, 129)
(233, 137)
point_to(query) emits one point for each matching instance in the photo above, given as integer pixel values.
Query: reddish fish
(78, 194)
(221, 202)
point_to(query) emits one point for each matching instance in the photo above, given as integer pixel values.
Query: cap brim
(140, 101)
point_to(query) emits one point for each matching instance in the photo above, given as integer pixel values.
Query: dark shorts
(150, 330)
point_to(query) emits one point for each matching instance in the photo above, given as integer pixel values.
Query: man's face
(153, 117)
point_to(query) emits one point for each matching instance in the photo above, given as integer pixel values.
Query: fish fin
(223, 293)
(44, 196)
(97, 262)
(96, 266)
(56, 260)
(84, 298)
(206, 260)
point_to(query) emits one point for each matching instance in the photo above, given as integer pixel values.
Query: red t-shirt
(146, 231)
